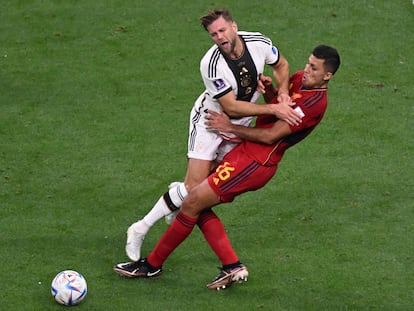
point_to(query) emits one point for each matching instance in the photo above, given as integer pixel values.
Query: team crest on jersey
(245, 78)
(295, 96)
(219, 84)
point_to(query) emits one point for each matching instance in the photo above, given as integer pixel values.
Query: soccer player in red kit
(248, 167)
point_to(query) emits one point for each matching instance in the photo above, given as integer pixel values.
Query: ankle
(232, 265)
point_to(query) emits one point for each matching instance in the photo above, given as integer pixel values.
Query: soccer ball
(69, 287)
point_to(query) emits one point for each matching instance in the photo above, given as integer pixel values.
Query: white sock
(159, 210)
(176, 194)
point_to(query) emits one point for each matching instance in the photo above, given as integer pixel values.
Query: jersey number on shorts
(223, 172)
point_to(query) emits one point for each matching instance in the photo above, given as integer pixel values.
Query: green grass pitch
(94, 105)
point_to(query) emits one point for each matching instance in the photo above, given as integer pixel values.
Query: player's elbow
(268, 139)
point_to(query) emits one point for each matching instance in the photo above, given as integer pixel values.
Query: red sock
(179, 230)
(216, 236)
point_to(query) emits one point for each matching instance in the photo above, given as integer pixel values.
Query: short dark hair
(213, 15)
(329, 55)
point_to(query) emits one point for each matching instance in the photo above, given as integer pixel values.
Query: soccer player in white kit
(231, 71)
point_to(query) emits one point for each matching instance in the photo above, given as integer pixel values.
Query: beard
(229, 49)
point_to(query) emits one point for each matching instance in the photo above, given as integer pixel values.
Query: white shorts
(204, 144)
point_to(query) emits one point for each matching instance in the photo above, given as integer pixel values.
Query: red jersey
(250, 165)
(312, 102)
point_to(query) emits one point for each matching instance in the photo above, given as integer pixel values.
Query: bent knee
(200, 198)
(190, 206)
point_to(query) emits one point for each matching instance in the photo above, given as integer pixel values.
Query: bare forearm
(221, 123)
(260, 135)
(243, 109)
(267, 136)
(281, 75)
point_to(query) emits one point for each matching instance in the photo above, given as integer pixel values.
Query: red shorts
(238, 173)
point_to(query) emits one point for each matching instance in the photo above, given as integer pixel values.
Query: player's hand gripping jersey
(222, 75)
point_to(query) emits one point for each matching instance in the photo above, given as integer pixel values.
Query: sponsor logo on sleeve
(274, 50)
(219, 84)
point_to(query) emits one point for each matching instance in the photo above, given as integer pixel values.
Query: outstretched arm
(237, 108)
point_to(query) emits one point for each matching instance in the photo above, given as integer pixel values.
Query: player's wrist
(283, 93)
(274, 110)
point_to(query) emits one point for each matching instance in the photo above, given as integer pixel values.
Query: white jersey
(222, 75)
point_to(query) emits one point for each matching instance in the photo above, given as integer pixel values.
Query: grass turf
(95, 98)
